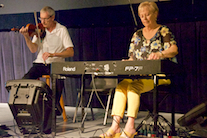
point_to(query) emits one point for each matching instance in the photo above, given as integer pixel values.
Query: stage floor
(69, 129)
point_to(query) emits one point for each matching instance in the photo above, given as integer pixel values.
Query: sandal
(110, 134)
(126, 134)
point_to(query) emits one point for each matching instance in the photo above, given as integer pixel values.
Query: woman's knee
(123, 84)
(136, 86)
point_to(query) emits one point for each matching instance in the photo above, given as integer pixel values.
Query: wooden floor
(69, 129)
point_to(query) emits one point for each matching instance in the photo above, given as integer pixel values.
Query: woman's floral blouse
(140, 48)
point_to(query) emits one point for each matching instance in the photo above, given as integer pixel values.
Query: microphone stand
(134, 17)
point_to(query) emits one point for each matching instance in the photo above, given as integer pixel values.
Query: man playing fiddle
(54, 47)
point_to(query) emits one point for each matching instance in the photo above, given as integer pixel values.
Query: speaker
(195, 119)
(27, 100)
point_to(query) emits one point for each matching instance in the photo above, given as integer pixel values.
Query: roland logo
(133, 68)
(69, 69)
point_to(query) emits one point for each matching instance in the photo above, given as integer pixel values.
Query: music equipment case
(27, 100)
(195, 120)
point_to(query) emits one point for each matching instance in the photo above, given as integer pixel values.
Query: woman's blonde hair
(152, 5)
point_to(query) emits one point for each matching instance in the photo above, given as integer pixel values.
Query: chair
(101, 85)
(47, 77)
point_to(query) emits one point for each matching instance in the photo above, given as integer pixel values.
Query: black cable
(43, 112)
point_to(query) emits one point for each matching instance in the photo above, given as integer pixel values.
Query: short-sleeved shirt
(54, 42)
(140, 48)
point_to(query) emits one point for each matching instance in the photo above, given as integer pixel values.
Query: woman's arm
(168, 53)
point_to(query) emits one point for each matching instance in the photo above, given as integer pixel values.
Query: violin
(32, 30)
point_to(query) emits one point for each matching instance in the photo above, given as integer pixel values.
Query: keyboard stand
(154, 114)
(53, 127)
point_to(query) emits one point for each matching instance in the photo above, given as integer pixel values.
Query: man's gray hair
(48, 9)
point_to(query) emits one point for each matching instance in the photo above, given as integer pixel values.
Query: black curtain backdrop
(111, 43)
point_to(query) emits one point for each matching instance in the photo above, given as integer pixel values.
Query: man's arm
(32, 46)
(69, 52)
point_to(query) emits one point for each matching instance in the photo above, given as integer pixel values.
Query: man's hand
(24, 31)
(46, 55)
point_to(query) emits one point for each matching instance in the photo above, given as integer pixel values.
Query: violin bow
(38, 33)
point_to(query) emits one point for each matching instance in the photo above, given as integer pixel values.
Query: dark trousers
(39, 69)
(36, 71)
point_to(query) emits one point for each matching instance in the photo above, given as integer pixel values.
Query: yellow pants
(128, 92)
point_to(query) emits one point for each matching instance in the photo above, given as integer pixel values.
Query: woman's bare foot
(130, 131)
(129, 127)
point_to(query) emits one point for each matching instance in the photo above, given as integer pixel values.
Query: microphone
(1, 5)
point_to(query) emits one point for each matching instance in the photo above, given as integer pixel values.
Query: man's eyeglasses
(44, 19)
